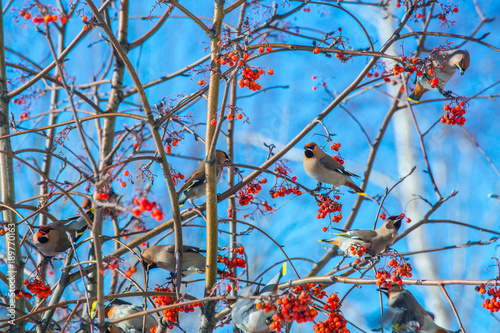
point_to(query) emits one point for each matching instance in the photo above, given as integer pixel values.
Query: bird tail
(182, 199)
(333, 241)
(417, 93)
(355, 188)
(273, 284)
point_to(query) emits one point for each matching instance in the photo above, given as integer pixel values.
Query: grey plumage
(375, 241)
(325, 169)
(163, 256)
(245, 314)
(445, 64)
(406, 315)
(118, 309)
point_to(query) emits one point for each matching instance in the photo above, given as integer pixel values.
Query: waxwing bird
(445, 64)
(194, 187)
(325, 169)
(245, 314)
(405, 314)
(163, 256)
(117, 309)
(375, 241)
(52, 239)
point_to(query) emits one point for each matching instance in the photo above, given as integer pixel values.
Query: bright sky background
(278, 115)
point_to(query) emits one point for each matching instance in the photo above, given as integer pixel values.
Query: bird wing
(330, 163)
(196, 178)
(364, 235)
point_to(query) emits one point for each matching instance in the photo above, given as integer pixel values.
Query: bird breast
(316, 171)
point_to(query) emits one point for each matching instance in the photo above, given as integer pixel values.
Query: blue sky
(277, 115)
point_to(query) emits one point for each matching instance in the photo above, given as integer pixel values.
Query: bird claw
(447, 94)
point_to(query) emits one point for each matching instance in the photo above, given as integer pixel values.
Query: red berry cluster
(246, 194)
(176, 177)
(145, 205)
(399, 268)
(43, 18)
(235, 262)
(335, 322)
(286, 189)
(293, 306)
(328, 206)
(172, 141)
(239, 116)
(335, 146)
(37, 287)
(282, 186)
(172, 315)
(454, 112)
(250, 77)
(491, 304)
(357, 250)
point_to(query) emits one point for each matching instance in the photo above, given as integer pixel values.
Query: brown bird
(52, 239)
(405, 314)
(445, 64)
(375, 241)
(325, 169)
(194, 187)
(163, 256)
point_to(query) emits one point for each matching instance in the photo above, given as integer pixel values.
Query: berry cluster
(172, 315)
(246, 195)
(358, 250)
(335, 323)
(235, 262)
(145, 205)
(295, 305)
(399, 268)
(335, 146)
(176, 177)
(328, 206)
(454, 112)
(250, 77)
(43, 18)
(282, 186)
(36, 287)
(491, 304)
(239, 116)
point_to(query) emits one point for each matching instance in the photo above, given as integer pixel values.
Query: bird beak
(461, 70)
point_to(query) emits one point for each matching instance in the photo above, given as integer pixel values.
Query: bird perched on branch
(325, 169)
(53, 239)
(117, 309)
(405, 314)
(245, 314)
(443, 65)
(375, 241)
(163, 256)
(194, 187)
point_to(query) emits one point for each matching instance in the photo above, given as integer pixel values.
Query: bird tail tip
(362, 194)
(413, 98)
(283, 269)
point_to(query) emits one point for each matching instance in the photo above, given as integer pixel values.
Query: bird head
(147, 260)
(394, 222)
(310, 149)
(42, 235)
(148, 264)
(222, 157)
(462, 61)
